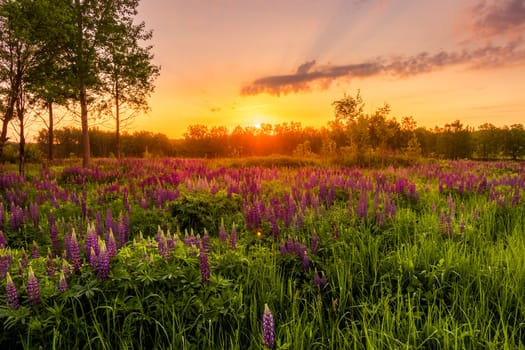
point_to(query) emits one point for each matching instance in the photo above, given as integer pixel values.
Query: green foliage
(199, 211)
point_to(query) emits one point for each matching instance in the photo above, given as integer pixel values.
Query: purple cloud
(309, 75)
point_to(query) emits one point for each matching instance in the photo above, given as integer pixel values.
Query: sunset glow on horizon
(252, 62)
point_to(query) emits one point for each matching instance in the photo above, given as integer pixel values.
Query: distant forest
(351, 135)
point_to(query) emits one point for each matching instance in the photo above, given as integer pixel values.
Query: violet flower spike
(268, 327)
(33, 288)
(204, 267)
(12, 293)
(62, 283)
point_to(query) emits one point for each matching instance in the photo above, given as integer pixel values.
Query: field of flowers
(187, 254)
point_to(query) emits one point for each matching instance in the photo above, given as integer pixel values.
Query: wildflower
(33, 288)
(320, 281)
(205, 242)
(268, 327)
(204, 267)
(222, 232)
(103, 262)
(23, 262)
(6, 259)
(74, 252)
(62, 283)
(3, 242)
(35, 253)
(12, 293)
(233, 238)
(314, 246)
(49, 263)
(111, 245)
(53, 234)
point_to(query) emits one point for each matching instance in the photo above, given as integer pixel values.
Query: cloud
(500, 21)
(502, 17)
(310, 75)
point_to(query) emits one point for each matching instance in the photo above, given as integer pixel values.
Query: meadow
(196, 254)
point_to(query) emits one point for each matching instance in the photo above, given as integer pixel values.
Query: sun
(257, 125)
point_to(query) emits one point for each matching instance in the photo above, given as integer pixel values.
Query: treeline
(372, 135)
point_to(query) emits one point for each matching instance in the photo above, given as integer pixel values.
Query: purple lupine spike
(74, 252)
(34, 213)
(66, 267)
(233, 238)
(6, 259)
(268, 327)
(162, 244)
(99, 226)
(33, 288)
(62, 283)
(53, 234)
(91, 242)
(92, 258)
(2, 215)
(35, 252)
(306, 260)
(12, 293)
(222, 232)
(204, 267)
(121, 231)
(3, 242)
(17, 217)
(50, 266)
(205, 242)
(103, 262)
(362, 205)
(314, 246)
(23, 263)
(111, 245)
(320, 281)
(110, 222)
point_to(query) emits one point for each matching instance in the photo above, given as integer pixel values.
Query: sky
(247, 62)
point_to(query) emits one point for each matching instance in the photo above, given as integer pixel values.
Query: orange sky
(243, 62)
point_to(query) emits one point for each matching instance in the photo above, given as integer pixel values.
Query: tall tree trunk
(20, 112)
(117, 113)
(81, 75)
(51, 132)
(86, 151)
(5, 124)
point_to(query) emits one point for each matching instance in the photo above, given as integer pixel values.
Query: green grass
(399, 285)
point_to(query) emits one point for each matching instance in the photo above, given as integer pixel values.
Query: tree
(514, 141)
(128, 72)
(349, 111)
(97, 24)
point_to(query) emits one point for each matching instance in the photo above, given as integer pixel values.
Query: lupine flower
(91, 242)
(233, 238)
(3, 242)
(35, 253)
(49, 263)
(6, 259)
(62, 283)
(53, 233)
(320, 281)
(12, 293)
(204, 267)
(222, 232)
(23, 263)
(103, 262)
(314, 246)
(33, 288)
(111, 245)
(74, 252)
(268, 327)
(205, 242)
(17, 217)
